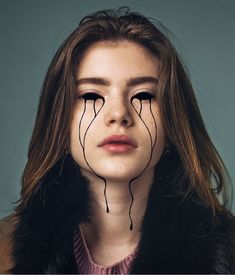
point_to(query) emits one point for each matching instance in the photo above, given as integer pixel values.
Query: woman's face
(116, 131)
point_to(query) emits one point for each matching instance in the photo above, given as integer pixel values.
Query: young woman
(122, 176)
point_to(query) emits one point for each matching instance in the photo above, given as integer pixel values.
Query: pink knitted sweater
(86, 265)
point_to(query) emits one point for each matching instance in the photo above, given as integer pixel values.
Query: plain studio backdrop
(31, 32)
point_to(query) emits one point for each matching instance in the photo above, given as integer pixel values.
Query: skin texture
(123, 110)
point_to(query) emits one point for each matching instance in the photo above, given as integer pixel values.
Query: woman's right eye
(91, 96)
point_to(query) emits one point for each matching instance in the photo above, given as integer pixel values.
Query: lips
(118, 143)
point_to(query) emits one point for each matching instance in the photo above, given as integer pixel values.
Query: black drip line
(130, 182)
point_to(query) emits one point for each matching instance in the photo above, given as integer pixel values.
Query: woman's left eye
(143, 96)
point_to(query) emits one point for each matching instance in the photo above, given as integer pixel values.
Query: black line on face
(80, 122)
(155, 139)
(83, 146)
(140, 108)
(151, 142)
(94, 108)
(152, 147)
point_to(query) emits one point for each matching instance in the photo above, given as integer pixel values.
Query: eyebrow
(105, 82)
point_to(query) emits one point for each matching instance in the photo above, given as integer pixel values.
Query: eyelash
(140, 96)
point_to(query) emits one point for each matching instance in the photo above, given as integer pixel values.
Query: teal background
(31, 31)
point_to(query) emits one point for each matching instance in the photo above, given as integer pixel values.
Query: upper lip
(119, 139)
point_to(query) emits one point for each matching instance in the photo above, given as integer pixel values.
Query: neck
(113, 228)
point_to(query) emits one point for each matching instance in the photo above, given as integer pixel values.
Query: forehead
(119, 59)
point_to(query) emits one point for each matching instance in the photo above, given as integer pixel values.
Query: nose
(118, 112)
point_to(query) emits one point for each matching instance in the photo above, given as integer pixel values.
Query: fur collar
(179, 234)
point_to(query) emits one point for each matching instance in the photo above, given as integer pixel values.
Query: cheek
(84, 118)
(84, 121)
(148, 117)
(160, 140)
(75, 140)
(151, 119)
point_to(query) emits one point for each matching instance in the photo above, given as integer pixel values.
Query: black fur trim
(44, 236)
(179, 234)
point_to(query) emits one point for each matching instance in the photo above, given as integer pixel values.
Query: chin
(119, 174)
(118, 178)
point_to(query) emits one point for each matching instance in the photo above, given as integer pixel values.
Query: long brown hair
(181, 117)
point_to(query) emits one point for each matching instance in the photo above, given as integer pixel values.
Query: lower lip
(118, 148)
